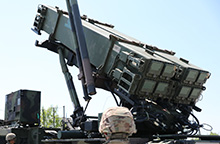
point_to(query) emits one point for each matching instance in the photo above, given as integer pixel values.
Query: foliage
(212, 133)
(50, 117)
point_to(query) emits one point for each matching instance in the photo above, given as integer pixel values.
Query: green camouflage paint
(23, 106)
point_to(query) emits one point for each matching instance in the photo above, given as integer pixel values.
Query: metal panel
(137, 68)
(23, 106)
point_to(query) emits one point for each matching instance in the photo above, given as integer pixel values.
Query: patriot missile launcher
(160, 89)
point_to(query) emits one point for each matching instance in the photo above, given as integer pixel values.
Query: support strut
(78, 112)
(76, 26)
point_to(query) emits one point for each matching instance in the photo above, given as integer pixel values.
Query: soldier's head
(117, 122)
(11, 138)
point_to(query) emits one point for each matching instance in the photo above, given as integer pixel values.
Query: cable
(84, 111)
(211, 128)
(198, 125)
(112, 94)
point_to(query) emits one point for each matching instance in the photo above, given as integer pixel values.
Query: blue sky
(189, 28)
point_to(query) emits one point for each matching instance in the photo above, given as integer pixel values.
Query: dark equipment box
(23, 106)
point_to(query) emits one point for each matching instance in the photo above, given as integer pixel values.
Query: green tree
(50, 117)
(212, 133)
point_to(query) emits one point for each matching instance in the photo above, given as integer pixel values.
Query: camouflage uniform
(116, 125)
(118, 142)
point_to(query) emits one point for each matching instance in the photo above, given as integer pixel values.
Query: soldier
(10, 138)
(116, 125)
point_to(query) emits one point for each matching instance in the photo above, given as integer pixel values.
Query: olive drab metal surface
(138, 69)
(23, 106)
(160, 89)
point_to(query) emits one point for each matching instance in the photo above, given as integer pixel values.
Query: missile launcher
(160, 89)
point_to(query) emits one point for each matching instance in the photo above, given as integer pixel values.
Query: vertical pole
(63, 118)
(76, 27)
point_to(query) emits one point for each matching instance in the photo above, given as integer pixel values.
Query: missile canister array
(138, 69)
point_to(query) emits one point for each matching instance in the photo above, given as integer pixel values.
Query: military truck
(160, 89)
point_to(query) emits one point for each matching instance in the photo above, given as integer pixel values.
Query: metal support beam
(69, 80)
(77, 28)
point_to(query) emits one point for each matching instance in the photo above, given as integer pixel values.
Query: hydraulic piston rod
(77, 28)
(68, 79)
